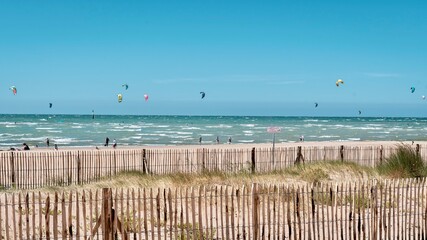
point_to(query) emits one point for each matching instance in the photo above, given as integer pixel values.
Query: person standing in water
(47, 142)
(217, 140)
(114, 143)
(107, 140)
(200, 140)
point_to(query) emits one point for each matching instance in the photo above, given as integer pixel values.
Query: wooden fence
(360, 210)
(26, 169)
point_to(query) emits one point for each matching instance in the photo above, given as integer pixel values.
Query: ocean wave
(180, 137)
(191, 128)
(41, 139)
(153, 134)
(6, 123)
(328, 136)
(248, 125)
(354, 139)
(206, 135)
(124, 130)
(54, 131)
(219, 126)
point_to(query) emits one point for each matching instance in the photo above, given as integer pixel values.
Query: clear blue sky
(250, 57)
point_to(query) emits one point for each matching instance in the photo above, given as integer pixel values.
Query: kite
(146, 97)
(14, 90)
(423, 97)
(360, 112)
(126, 86)
(50, 105)
(203, 94)
(119, 98)
(315, 105)
(338, 82)
(412, 89)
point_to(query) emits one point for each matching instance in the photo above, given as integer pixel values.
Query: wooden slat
(85, 231)
(20, 213)
(47, 217)
(1, 217)
(55, 217)
(70, 215)
(140, 215)
(158, 214)
(77, 215)
(15, 234)
(193, 214)
(144, 199)
(171, 219)
(152, 214)
(7, 219)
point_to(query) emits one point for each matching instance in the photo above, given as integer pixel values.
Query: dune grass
(326, 171)
(404, 163)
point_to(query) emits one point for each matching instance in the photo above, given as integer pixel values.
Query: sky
(258, 58)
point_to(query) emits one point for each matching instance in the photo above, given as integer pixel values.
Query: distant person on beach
(107, 140)
(229, 140)
(56, 146)
(114, 143)
(217, 140)
(200, 140)
(47, 142)
(301, 139)
(26, 148)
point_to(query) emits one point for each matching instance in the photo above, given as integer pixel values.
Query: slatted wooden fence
(393, 209)
(27, 169)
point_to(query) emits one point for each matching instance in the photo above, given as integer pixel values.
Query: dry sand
(243, 146)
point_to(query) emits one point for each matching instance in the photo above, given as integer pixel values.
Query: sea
(88, 130)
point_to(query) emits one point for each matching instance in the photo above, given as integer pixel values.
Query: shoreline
(228, 146)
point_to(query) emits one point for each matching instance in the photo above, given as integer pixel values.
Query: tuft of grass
(313, 172)
(404, 163)
(323, 171)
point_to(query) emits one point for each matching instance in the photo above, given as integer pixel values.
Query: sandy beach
(239, 146)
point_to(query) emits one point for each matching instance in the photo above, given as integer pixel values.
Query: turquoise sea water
(82, 130)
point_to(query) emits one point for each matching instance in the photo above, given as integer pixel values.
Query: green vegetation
(404, 163)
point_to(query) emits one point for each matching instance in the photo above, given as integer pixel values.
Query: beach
(319, 144)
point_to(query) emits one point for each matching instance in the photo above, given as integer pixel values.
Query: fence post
(342, 153)
(255, 210)
(381, 154)
(418, 149)
(253, 160)
(299, 156)
(107, 216)
(78, 168)
(203, 160)
(144, 160)
(12, 168)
